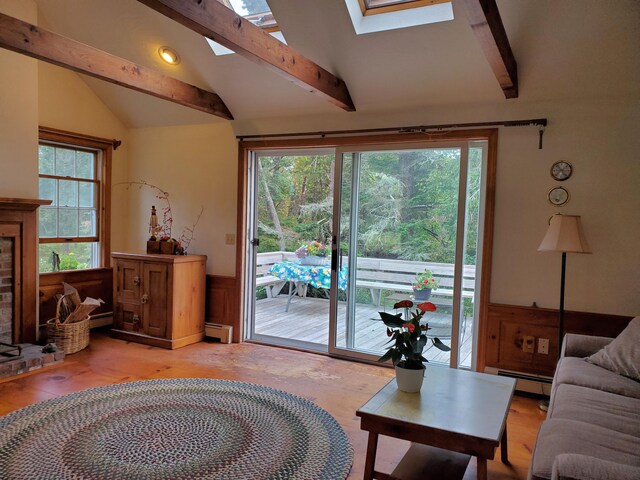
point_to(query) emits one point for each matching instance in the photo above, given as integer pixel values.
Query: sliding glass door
(336, 236)
(403, 215)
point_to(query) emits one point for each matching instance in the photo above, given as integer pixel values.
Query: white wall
(18, 113)
(197, 166)
(600, 139)
(67, 103)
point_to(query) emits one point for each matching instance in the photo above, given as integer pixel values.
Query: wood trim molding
(36, 42)
(486, 23)
(221, 304)
(214, 20)
(507, 325)
(490, 135)
(397, 7)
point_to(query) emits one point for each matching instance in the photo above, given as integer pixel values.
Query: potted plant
(313, 253)
(423, 284)
(408, 337)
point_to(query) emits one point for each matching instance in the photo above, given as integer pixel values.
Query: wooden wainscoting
(94, 283)
(507, 326)
(221, 304)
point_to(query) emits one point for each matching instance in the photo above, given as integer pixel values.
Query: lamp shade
(565, 234)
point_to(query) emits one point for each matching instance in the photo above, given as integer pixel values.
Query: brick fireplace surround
(19, 269)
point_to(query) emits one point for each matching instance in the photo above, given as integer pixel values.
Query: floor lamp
(565, 235)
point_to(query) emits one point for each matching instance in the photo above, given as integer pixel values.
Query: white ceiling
(566, 49)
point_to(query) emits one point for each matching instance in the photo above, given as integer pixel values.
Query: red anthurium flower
(427, 307)
(404, 304)
(409, 326)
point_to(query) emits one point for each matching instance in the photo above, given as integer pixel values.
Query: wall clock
(561, 170)
(558, 196)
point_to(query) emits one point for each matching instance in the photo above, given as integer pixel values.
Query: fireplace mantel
(28, 204)
(19, 221)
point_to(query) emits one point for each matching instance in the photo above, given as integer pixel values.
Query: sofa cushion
(608, 410)
(558, 436)
(622, 355)
(570, 466)
(577, 371)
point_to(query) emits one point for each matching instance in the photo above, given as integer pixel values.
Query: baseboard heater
(222, 332)
(525, 382)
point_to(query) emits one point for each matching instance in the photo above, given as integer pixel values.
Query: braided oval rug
(174, 429)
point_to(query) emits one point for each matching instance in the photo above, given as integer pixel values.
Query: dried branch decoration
(187, 234)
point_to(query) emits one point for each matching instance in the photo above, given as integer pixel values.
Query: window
(396, 14)
(73, 173)
(372, 7)
(257, 12)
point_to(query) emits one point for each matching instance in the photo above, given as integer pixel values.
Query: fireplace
(19, 269)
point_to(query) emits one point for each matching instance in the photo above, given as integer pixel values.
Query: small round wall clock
(561, 170)
(558, 196)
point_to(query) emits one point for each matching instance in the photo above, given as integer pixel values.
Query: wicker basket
(69, 337)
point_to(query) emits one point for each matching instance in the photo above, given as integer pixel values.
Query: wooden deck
(308, 320)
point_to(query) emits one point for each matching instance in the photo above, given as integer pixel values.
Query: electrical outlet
(543, 346)
(230, 239)
(528, 343)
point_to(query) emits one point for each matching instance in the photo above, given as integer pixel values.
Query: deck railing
(378, 275)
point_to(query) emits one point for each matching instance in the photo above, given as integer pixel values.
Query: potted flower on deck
(313, 253)
(409, 338)
(423, 284)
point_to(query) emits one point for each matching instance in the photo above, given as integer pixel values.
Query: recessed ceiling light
(169, 55)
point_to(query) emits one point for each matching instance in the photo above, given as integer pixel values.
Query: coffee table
(459, 412)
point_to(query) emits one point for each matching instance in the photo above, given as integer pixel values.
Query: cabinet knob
(136, 319)
(136, 280)
(145, 298)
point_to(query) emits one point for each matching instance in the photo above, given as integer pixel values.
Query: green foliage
(425, 280)
(408, 336)
(408, 203)
(73, 256)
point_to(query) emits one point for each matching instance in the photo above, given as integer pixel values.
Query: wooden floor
(338, 386)
(308, 320)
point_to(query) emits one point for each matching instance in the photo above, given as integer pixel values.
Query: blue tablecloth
(318, 276)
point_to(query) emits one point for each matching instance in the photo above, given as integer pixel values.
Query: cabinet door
(127, 317)
(154, 299)
(128, 281)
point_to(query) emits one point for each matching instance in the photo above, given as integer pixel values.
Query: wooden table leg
(482, 468)
(370, 463)
(504, 449)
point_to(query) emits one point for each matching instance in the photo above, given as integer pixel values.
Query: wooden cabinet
(159, 299)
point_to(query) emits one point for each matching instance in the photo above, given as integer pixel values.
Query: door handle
(145, 298)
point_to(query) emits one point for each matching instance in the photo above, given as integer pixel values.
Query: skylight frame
(376, 7)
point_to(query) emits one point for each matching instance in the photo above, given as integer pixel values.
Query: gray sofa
(592, 430)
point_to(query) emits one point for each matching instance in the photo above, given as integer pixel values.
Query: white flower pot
(409, 381)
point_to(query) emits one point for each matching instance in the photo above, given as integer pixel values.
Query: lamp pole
(561, 316)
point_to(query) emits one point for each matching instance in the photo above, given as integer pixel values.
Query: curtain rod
(541, 122)
(113, 142)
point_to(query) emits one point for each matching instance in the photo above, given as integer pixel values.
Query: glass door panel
(402, 211)
(292, 207)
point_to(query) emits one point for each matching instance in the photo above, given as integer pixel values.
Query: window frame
(404, 5)
(103, 150)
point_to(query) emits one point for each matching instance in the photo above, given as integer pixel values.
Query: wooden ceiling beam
(212, 19)
(488, 28)
(36, 42)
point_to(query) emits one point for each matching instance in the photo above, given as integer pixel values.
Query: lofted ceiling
(565, 49)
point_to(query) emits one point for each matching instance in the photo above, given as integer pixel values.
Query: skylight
(395, 14)
(257, 12)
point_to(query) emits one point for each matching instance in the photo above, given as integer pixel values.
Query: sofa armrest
(575, 345)
(572, 466)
